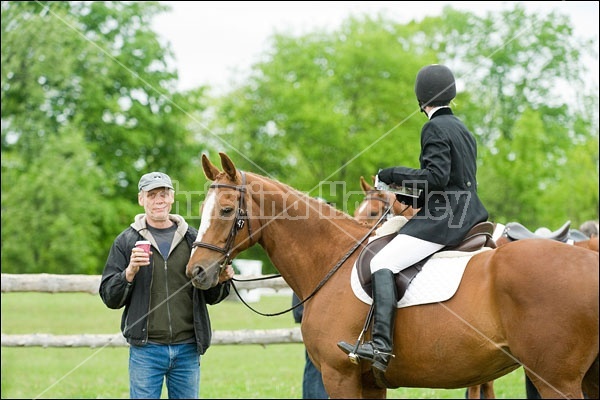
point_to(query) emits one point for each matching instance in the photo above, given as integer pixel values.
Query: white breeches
(402, 252)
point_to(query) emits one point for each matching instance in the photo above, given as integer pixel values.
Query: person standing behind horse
(312, 381)
(165, 320)
(449, 204)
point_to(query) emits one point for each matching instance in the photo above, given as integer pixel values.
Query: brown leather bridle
(387, 206)
(241, 219)
(373, 196)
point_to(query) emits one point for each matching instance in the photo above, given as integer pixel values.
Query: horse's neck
(304, 238)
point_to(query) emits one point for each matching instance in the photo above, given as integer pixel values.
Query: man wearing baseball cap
(154, 180)
(165, 319)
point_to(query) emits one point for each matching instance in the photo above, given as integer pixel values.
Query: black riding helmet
(435, 86)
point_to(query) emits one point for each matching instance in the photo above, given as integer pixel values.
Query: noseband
(241, 217)
(388, 208)
(373, 196)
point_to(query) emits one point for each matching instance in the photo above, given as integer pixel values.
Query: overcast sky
(215, 41)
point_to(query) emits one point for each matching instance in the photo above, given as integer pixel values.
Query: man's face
(157, 203)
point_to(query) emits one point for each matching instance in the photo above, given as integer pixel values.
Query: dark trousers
(312, 382)
(531, 390)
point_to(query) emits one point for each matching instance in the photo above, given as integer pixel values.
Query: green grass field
(227, 371)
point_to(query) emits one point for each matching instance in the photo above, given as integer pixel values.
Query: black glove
(411, 201)
(385, 175)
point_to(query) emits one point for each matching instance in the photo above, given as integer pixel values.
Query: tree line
(89, 103)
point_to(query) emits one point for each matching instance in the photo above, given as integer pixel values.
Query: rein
(371, 196)
(240, 220)
(323, 281)
(388, 207)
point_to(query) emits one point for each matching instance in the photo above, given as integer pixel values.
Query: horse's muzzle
(201, 279)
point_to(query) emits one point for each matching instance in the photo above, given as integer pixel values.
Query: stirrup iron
(354, 358)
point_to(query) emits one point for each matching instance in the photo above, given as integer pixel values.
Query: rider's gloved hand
(385, 175)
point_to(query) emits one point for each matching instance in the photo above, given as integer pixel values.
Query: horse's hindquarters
(532, 303)
(548, 294)
(460, 337)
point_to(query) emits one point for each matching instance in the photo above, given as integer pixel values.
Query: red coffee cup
(143, 244)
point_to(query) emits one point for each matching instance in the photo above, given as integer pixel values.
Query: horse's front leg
(350, 381)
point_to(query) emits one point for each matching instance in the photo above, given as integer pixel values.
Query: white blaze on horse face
(362, 207)
(207, 209)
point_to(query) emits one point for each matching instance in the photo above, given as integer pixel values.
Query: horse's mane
(312, 202)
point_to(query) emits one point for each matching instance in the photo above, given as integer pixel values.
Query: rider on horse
(448, 202)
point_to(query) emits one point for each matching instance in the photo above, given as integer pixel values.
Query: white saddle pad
(437, 281)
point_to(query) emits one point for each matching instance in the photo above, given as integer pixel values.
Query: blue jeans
(312, 383)
(149, 365)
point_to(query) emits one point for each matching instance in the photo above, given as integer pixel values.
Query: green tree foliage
(333, 106)
(322, 109)
(53, 213)
(512, 60)
(94, 70)
(98, 65)
(540, 179)
(533, 108)
(87, 92)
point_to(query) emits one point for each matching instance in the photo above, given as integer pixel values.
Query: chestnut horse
(531, 303)
(376, 202)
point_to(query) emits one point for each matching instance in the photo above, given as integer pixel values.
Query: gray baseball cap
(154, 180)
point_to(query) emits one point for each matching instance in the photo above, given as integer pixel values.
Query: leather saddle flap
(363, 267)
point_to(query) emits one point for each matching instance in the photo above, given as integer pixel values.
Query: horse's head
(224, 228)
(376, 202)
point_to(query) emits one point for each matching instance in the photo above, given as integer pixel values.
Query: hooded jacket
(173, 323)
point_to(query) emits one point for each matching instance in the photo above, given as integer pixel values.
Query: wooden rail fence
(52, 283)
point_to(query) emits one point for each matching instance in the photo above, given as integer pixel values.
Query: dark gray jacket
(450, 206)
(116, 292)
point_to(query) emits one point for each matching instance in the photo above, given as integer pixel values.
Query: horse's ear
(210, 170)
(364, 185)
(228, 166)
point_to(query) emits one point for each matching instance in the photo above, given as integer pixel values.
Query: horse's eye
(225, 211)
(374, 213)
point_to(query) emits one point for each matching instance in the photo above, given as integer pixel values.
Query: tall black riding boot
(379, 351)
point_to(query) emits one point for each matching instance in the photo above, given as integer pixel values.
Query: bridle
(388, 206)
(241, 219)
(371, 195)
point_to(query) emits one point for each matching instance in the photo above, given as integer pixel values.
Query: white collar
(433, 110)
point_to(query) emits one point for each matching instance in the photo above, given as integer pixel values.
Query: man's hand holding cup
(140, 257)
